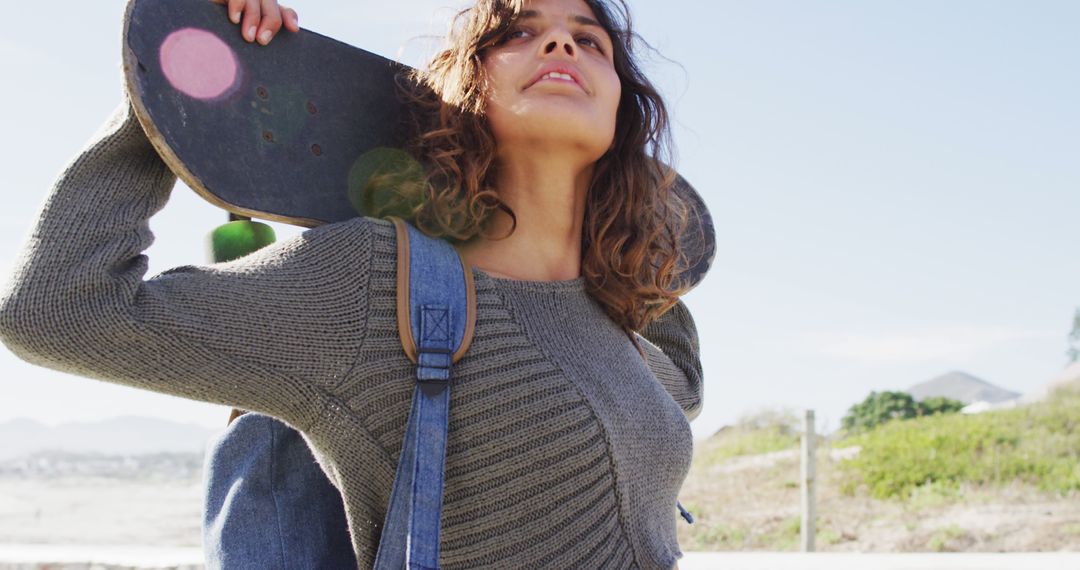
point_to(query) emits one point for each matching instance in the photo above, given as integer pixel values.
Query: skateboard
(289, 132)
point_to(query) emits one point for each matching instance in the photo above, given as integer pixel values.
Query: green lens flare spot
(385, 181)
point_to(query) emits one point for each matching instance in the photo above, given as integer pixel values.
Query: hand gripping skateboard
(288, 132)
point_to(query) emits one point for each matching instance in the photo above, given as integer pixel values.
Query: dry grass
(752, 503)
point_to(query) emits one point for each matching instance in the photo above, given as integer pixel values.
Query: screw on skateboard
(290, 131)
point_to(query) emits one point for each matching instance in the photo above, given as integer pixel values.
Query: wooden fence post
(809, 474)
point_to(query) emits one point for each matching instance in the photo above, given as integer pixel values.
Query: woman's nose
(552, 46)
(560, 39)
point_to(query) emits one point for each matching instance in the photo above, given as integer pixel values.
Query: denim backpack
(267, 502)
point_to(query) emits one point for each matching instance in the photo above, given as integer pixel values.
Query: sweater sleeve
(675, 358)
(270, 332)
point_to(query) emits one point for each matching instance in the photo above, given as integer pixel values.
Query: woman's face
(531, 112)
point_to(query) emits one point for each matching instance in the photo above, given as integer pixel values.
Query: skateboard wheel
(237, 239)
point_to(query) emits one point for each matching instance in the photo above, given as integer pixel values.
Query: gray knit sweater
(565, 450)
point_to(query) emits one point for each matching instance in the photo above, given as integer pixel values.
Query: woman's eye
(595, 42)
(512, 33)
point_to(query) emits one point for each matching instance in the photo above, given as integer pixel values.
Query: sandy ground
(853, 561)
(16, 557)
(100, 557)
(100, 511)
(752, 503)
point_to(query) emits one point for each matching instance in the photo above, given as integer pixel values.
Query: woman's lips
(561, 69)
(560, 80)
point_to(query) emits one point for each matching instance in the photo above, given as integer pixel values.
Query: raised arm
(675, 357)
(269, 332)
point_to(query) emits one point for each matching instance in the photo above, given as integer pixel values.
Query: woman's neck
(548, 198)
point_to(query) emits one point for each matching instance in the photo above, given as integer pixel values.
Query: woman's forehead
(557, 8)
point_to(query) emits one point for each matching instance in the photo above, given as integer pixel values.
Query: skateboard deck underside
(263, 131)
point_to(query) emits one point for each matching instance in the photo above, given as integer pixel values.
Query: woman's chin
(560, 128)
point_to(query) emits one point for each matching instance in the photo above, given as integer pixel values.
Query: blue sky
(895, 185)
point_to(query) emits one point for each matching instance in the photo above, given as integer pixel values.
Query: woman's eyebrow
(577, 18)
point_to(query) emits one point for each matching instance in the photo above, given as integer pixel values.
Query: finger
(270, 22)
(252, 15)
(292, 20)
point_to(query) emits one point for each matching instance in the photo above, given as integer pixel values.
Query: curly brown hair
(631, 254)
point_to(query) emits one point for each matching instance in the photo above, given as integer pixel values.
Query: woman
(566, 449)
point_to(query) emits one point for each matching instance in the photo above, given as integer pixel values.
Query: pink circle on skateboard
(197, 63)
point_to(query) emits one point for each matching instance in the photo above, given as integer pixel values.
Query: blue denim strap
(437, 306)
(685, 513)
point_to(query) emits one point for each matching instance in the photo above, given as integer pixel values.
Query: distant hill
(961, 386)
(126, 435)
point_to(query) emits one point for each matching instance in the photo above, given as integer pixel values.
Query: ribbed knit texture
(565, 449)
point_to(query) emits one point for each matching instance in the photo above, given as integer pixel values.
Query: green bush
(1039, 444)
(938, 405)
(881, 407)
